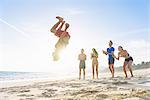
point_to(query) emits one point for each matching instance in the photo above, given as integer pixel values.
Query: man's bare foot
(59, 18)
(67, 25)
(132, 76)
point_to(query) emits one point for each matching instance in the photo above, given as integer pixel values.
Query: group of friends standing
(111, 59)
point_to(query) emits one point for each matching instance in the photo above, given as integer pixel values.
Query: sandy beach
(105, 88)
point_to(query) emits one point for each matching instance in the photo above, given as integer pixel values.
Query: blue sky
(27, 43)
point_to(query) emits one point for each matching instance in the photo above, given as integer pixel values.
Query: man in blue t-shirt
(111, 60)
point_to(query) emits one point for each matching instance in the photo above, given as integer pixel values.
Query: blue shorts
(111, 61)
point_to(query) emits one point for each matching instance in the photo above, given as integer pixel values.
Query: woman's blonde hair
(95, 52)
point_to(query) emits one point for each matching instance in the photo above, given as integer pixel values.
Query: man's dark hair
(111, 42)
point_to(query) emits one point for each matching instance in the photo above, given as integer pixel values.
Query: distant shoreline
(143, 65)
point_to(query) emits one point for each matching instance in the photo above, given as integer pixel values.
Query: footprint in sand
(84, 92)
(51, 90)
(76, 85)
(3, 89)
(119, 83)
(111, 88)
(27, 99)
(26, 95)
(48, 93)
(142, 94)
(18, 91)
(102, 96)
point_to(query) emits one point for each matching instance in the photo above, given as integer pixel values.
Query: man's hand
(117, 58)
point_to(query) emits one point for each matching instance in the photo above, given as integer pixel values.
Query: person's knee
(96, 68)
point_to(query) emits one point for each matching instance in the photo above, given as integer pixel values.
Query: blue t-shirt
(110, 50)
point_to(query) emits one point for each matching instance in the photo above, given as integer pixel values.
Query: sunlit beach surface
(105, 88)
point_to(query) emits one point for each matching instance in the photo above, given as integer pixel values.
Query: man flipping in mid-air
(63, 36)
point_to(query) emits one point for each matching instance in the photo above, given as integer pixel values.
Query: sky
(26, 43)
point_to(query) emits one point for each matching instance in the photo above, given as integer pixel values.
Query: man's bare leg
(53, 29)
(130, 68)
(63, 22)
(84, 73)
(112, 68)
(79, 73)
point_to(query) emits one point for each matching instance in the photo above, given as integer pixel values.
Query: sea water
(9, 75)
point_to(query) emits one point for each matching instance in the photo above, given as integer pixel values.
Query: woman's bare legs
(93, 70)
(130, 67)
(124, 69)
(97, 70)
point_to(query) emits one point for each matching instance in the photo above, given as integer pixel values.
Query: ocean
(13, 76)
(8, 75)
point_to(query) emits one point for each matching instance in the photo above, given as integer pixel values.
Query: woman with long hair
(128, 60)
(94, 57)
